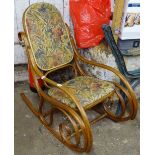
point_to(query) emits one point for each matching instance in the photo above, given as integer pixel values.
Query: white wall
(20, 6)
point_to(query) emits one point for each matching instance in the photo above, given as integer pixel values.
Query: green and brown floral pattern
(86, 89)
(101, 54)
(48, 36)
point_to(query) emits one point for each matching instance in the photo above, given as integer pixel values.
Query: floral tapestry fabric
(48, 36)
(101, 54)
(86, 89)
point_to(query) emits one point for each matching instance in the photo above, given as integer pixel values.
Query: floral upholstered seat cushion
(86, 89)
(47, 35)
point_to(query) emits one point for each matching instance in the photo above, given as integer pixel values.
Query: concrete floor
(31, 138)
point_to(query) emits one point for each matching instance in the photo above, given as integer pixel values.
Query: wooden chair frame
(78, 118)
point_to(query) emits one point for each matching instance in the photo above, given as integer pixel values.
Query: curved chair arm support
(116, 72)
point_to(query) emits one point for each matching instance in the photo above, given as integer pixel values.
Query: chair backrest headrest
(47, 35)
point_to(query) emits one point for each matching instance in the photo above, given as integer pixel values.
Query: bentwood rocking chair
(50, 47)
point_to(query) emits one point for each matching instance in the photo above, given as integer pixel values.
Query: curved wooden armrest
(115, 71)
(94, 63)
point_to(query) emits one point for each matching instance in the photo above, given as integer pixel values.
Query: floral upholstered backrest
(47, 36)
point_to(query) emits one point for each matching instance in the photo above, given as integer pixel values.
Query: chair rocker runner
(50, 47)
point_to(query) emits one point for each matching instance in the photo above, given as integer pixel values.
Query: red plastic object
(88, 16)
(31, 80)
